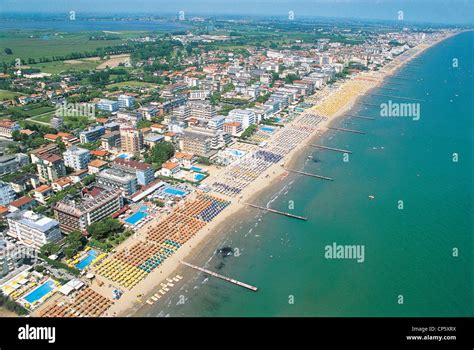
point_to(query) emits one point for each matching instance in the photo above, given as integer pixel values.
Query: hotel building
(131, 140)
(76, 158)
(32, 229)
(96, 204)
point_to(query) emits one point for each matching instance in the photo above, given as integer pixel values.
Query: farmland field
(45, 118)
(8, 95)
(63, 66)
(46, 44)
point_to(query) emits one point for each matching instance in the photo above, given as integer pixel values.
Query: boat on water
(371, 196)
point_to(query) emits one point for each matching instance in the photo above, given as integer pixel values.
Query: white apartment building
(32, 229)
(76, 158)
(244, 116)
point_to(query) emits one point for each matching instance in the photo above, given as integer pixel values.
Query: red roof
(132, 164)
(21, 201)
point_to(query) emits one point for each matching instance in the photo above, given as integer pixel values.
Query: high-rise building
(202, 110)
(92, 134)
(110, 140)
(143, 171)
(126, 101)
(203, 142)
(96, 204)
(76, 158)
(116, 178)
(50, 167)
(131, 140)
(7, 195)
(108, 105)
(244, 116)
(216, 123)
(32, 229)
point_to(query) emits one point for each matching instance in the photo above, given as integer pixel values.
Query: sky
(435, 11)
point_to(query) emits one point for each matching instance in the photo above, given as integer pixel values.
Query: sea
(415, 233)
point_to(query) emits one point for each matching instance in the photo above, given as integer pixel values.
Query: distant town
(117, 150)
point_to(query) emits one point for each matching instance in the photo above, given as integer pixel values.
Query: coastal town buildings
(32, 229)
(76, 158)
(96, 204)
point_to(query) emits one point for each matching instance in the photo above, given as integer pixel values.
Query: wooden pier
(360, 117)
(276, 211)
(332, 149)
(400, 78)
(387, 88)
(346, 130)
(309, 174)
(368, 104)
(231, 280)
(400, 97)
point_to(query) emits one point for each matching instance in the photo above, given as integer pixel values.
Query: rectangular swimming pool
(174, 192)
(267, 129)
(195, 168)
(91, 255)
(132, 220)
(40, 292)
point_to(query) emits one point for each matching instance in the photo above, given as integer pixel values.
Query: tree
(105, 228)
(160, 153)
(73, 243)
(8, 51)
(290, 78)
(248, 132)
(50, 249)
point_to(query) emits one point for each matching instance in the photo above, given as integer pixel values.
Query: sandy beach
(337, 101)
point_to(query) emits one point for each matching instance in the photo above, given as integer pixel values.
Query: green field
(132, 84)
(63, 66)
(45, 44)
(32, 110)
(45, 118)
(8, 95)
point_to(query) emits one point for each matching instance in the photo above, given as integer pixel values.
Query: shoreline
(127, 305)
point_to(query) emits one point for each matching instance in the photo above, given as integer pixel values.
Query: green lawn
(8, 95)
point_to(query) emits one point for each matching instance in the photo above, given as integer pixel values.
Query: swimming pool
(235, 152)
(174, 192)
(132, 220)
(122, 156)
(91, 255)
(199, 177)
(40, 292)
(267, 129)
(195, 168)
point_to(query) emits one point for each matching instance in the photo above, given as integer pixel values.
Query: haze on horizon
(428, 11)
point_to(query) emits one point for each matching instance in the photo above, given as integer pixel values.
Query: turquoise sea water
(408, 252)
